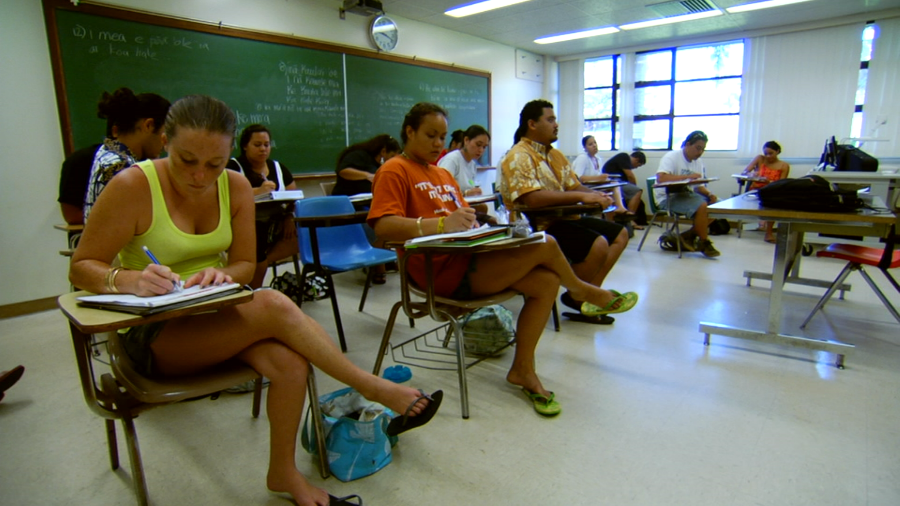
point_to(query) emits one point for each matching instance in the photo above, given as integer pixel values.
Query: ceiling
(518, 25)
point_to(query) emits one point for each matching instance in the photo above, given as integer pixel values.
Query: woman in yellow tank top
(188, 210)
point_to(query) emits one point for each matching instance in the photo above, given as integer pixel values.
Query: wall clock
(384, 33)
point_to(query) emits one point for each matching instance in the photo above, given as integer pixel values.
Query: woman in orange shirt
(412, 197)
(768, 167)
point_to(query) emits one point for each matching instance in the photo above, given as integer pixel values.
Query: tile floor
(651, 416)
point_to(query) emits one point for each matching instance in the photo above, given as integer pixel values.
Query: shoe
(706, 247)
(688, 241)
(626, 301)
(344, 501)
(401, 424)
(542, 404)
(769, 239)
(9, 378)
(568, 301)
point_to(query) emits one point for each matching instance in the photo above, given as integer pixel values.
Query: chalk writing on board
(138, 46)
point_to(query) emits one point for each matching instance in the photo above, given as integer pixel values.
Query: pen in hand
(178, 285)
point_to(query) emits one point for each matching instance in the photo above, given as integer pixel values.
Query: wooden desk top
(685, 182)
(744, 205)
(92, 321)
(511, 242)
(65, 227)
(479, 199)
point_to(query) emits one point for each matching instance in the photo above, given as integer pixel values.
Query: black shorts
(576, 237)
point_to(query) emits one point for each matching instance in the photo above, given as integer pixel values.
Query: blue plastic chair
(341, 248)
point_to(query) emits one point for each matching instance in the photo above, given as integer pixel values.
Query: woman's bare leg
(193, 343)
(287, 371)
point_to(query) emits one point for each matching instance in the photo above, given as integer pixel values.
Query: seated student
(536, 175)
(356, 167)
(189, 210)
(461, 162)
(769, 167)
(276, 235)
(73, 183)
(680, 165)
(622, 165)
(133, 132)
(456, 141)
(413, 198)
(587, 167)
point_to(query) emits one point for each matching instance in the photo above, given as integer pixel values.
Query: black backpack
(808, 193)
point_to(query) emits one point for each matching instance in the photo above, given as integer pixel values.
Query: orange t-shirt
(409, 189)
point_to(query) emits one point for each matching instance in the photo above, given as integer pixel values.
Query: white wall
(30, 138)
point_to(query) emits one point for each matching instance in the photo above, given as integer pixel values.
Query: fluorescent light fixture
(672, 19)
(478, 7)
(762, 5)
(577, 35)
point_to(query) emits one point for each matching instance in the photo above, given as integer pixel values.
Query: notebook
(145, 306)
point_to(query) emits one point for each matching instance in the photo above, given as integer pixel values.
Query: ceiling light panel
(762, 5)
(479, 7)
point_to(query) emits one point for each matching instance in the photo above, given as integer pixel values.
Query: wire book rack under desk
(435, 349)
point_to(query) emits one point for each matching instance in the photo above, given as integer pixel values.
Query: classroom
(652, 416)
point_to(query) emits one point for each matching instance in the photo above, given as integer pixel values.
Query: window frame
(615, 90)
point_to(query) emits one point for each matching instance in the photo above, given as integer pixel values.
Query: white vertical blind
(570, 109)
(883, 92)
(799, 89)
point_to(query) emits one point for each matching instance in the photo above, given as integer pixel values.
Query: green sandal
(626, 302)
(542, 404)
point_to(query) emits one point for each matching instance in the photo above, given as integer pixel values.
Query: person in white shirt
(685, 165)
(588, 168)
(461, 163)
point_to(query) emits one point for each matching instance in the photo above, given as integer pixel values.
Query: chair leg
(112, 444)
(677, 236)
(337, 312)
(257, 396)
(647, 230)
(137, 467)
(362, 300)
(324, 470)
(850, 267)
(386, 338)
(461, 367)
(878, 292)
(555, 314)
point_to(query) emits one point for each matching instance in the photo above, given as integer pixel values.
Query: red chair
(857, 257)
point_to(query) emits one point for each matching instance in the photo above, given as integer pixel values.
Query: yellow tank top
(186, 254)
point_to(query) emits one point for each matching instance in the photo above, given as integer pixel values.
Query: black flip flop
(344, 501)
(401, 424)
(596, 320)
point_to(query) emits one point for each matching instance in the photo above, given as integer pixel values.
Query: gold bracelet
(440, 225)
(111, 279)
(419, 225)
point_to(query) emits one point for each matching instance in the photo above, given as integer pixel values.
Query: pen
(455, 201)
(178, 286)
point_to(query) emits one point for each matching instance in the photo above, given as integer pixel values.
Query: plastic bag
(488, 330)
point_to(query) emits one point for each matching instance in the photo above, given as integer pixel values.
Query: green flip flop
(626, 302)
(544, 405)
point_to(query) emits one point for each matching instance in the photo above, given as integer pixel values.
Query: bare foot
(295, 484)
(397, 397)
(769, 238)
(529, 381)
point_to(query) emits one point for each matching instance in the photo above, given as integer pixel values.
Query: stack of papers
(360, 197)
(481, 235)
(280, 195)
(145, 306)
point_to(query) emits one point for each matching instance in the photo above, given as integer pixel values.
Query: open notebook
(145, 306)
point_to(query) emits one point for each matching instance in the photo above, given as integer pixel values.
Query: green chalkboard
(298, 88)
(380, 94)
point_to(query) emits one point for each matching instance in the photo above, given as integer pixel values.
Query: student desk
(789, 240)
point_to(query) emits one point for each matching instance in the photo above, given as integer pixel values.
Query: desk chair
(858, 256)
(673, 216)
(443, 310)
(327, 187)
(124, 393)
(340, 248)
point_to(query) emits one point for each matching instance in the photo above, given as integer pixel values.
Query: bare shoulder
(240, 191)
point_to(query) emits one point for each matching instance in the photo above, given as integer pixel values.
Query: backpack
(808, 193)
(719, 226)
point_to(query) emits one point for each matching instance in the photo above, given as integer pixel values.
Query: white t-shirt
(587, 165)
(463, 172)
(674, 162)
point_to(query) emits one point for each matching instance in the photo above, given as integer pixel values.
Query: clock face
(384, 33)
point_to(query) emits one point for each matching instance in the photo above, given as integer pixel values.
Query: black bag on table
(808, 193)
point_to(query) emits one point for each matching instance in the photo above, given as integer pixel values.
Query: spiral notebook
(145, 306)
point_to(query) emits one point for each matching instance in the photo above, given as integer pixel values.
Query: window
(868, 47)
(601, 97)
(679, 90)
